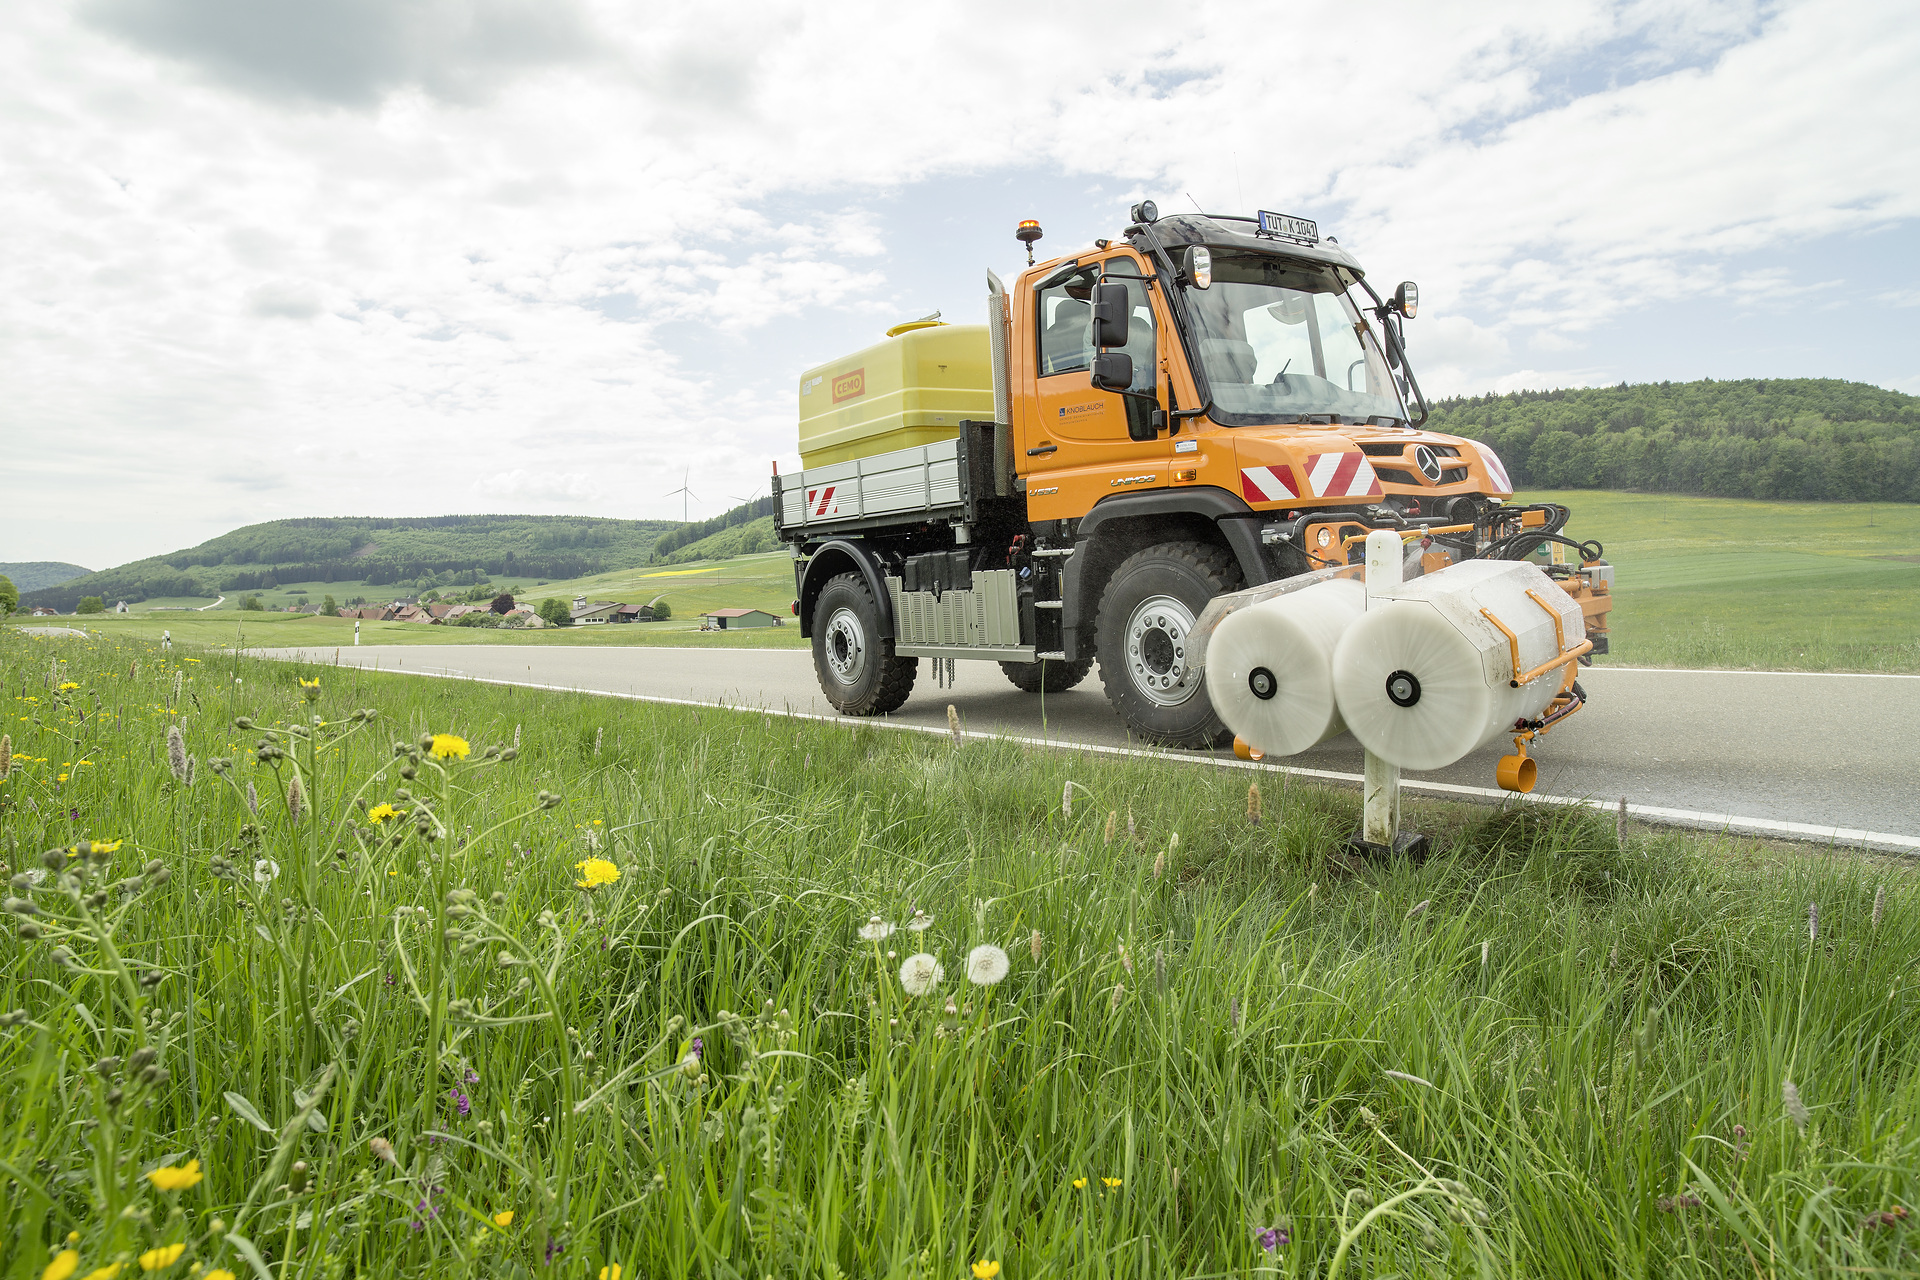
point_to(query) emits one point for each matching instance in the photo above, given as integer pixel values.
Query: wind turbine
(755, 496)
(684, 493)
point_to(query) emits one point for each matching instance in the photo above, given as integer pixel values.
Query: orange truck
(1205, 404)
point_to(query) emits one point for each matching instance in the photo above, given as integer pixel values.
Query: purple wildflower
(426, 1208)
(460, 1102)
(699, 1047)
(74, 814)
(1274, 1238)
(473, 1077)
(554, 1249)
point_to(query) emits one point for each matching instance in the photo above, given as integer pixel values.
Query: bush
(9, 596)
(662, 610)
(250, 603)
(481, 619)
(554, 612)
(90, 604)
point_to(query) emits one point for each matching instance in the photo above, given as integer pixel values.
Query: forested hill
(1760, 438)
(376, 551)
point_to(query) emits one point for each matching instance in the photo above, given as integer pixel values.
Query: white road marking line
(1882, 841)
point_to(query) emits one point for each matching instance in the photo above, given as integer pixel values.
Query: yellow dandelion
(1112, 1184)
(598, 871)
(448, 747)
(64, 1264)
(71, 684)
(383, 811)
(107, 846)
(503, 1219)
(1080, 1184)
(308, 684)
(218, 1273)
(176, 1177)
(985, 1269)
(610, 1272)
(165, 1256)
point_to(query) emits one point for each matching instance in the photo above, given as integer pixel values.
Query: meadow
(325, 973)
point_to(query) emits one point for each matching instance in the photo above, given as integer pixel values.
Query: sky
(268, 258)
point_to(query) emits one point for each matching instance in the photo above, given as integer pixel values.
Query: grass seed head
(1796, 1109)
(176, 753)
(1879, 903)
(1253, 802)
(1034, 944)
(1813, 922)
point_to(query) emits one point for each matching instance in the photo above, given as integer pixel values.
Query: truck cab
(1204, 404)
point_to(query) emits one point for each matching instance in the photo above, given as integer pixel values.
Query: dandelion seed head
(987, 965)
(920, 974)
(875, 930)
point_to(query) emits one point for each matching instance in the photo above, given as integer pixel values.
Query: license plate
(1282, 224)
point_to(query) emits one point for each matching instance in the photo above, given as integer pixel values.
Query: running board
(996, 652)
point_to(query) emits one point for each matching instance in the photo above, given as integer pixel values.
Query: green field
(1702, 582)
(414, 1047)
(1734, 583)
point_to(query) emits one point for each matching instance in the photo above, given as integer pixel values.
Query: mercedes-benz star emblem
(1429, 465)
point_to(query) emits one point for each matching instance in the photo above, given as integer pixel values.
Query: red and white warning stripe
(1342, 475)
(1268, 484)
(1496, 473)
(824, 498)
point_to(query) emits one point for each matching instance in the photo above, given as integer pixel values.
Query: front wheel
(1144, 632)
(857, 668)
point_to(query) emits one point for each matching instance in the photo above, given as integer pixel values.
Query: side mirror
(1198, 267)
(1112, 370)
(1406, 299)
(1111, 314)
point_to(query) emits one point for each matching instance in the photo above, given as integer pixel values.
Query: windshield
(1281, 342)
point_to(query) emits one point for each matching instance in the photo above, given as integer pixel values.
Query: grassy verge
(1732, 583)
(414, 1046)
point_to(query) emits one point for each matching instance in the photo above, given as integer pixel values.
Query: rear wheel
(1146, 622)
(857, 668)
(1048, 675)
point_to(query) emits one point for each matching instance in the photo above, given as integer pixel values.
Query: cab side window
(1066, 324)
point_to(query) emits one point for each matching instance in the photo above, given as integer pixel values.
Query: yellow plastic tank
(914, 388)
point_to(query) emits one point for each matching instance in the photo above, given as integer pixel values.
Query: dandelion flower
(71, 684)
(265, 871)
(610, 1272)
(64, 1264)
(1111, 1184)
(597, 871)
(176, 1177)
(1080, 1184)
(382, 812)
(165, 1256)
(985, 1269)
(921, 921)
(987, 965)
(218, 1273)
(875, 930)
(447, 746)
(503, 1219)
(107, 1272)
(920, 974)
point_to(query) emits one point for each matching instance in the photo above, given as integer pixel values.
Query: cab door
(1078, 446)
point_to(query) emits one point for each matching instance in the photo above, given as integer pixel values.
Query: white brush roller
(1269, 667)
(1425, 677)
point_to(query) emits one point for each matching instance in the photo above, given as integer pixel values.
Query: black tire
(857, 669)
(1159, 592)
(1048, 676)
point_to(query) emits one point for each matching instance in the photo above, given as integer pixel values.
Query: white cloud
(389, 255)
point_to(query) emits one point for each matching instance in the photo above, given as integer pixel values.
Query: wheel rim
(846, 646)
(1157, 636)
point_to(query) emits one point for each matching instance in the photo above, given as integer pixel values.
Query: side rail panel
(919, 481)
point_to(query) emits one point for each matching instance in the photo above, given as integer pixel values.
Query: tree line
(1783, 438)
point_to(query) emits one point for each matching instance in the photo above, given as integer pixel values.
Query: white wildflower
(987, 965)
(920, 974)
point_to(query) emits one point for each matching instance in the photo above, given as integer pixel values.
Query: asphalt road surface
(1822, 757)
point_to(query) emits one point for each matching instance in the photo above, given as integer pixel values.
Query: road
(1823, 757)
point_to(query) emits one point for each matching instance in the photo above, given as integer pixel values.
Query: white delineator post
(1380, 814)
(356, 631)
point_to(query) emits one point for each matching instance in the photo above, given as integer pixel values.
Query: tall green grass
(1546, 1051)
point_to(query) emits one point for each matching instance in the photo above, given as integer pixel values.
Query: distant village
(502, 611)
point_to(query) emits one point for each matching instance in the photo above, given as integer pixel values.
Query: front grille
(1394, 475)
(1445, 450)
(1453, 475)
(1384, 449)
